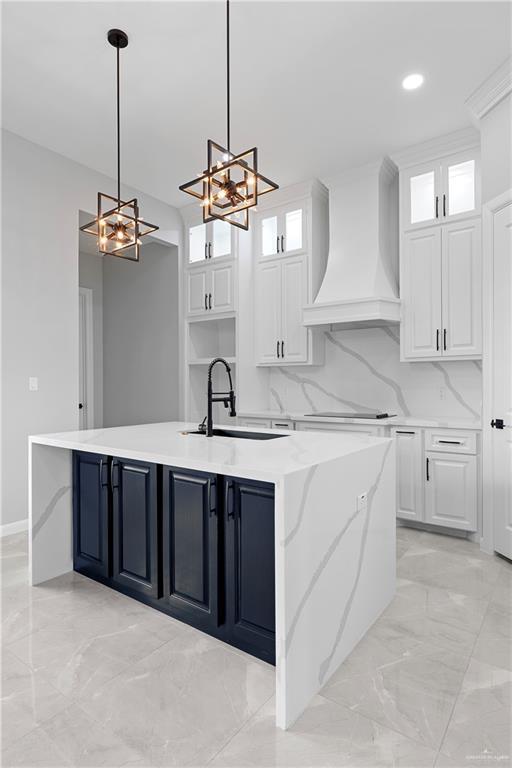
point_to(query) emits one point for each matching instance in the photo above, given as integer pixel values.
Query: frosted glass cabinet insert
(441, 190)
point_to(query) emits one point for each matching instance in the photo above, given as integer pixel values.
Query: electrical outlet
(362, 501)
(33, 383)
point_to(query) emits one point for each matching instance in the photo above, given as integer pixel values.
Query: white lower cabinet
(451, 490)
(409, 474)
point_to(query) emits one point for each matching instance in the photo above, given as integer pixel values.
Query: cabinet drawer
(256, 423)
(451, 441)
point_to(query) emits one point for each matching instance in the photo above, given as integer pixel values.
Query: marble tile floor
(92, 678)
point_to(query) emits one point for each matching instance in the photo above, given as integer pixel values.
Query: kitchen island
(334, 526)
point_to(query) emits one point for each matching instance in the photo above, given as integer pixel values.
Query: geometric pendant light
(231, 183)
(118, 227)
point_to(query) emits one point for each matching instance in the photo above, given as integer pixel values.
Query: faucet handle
(232, 401)
(202, 426)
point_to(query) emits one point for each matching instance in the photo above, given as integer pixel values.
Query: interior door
(451, 490)
(421, 293)
(190, 546)
(409, 470)
(135, 526)
(501, 393)
(294, 344)
(267, 312)
(462, 289)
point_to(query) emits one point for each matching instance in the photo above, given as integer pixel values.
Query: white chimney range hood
(360, 285)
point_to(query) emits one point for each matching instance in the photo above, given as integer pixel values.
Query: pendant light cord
(118, 136)
(228, 95)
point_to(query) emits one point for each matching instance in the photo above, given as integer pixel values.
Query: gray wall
(42, 195)
(140, 337)
(90, 270)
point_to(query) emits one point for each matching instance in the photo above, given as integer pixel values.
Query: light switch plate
(33, 383)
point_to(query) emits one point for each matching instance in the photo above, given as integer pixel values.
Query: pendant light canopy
(118, 227)
(231, 184)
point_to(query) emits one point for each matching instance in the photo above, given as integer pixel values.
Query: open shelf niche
(206, 340)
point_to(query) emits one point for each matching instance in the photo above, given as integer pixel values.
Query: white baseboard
(9, 528)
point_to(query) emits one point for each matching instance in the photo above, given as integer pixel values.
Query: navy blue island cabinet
(195, 545)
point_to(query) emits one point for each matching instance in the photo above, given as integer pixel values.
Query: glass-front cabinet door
(461, 187)
(421, 191)
(443, 190)
(281, 231)
(214, 240)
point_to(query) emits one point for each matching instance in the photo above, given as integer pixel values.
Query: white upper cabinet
(421, 294)
(440, 191)
(268, 316)
(214, 240)
(211, 289)
(281, 231)
(294, 348)
(441, 292)
(462, 289)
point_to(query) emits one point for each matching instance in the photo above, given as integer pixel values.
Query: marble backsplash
(363, 372)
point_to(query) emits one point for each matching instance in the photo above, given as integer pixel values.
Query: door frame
(489, 210)
(88, 355)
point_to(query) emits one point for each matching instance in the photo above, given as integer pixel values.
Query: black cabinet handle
(103, 465)
(437, 207)
(282, 243)
(444, 205)
(213, 498)
(206, 301)
(230, 506)
(80, 406)
(444, 339)
(209, 301)
(437, 340)
(114, 466)
(277, 343)
(277, 424)
(206, 250)
(282, 349)
(277, 246)
(450, 442)
(428, 476)
(401, 432)
(209, 250)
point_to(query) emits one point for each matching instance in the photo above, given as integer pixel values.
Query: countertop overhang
(168, 443)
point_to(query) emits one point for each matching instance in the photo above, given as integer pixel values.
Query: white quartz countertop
(168, 443)
(393, 421)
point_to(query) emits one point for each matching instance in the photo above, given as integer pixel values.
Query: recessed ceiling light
(411, 82)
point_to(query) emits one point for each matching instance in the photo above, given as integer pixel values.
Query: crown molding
(458, 141)
(384, 166)
(491, 91)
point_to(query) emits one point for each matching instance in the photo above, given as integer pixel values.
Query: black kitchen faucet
(228, 398)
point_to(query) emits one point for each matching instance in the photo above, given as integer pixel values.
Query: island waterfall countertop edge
(168, 443)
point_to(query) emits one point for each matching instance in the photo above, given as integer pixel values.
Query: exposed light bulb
(250, 181)
(226, 156)
(222, 194)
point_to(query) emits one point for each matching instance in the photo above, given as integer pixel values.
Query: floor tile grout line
(470, 658)
(230, 739)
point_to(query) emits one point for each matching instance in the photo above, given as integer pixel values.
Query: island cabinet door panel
(190, 546)
(250, 566)
(91, 520)
(135, 526)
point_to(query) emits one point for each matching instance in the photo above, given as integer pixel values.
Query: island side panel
(335, 568)
(50, 512)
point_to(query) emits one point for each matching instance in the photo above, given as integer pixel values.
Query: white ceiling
(315, 85)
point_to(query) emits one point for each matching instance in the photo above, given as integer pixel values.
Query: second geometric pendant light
(231, 183)
(118, 226)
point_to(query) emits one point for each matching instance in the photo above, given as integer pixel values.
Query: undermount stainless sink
(239, 434)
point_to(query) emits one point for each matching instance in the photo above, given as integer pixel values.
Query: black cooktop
(339, 415)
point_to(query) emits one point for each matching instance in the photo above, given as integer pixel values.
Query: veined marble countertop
(394, 421)
(170, 443)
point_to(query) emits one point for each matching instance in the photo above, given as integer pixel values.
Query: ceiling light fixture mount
(231, 183)
(118, 226)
